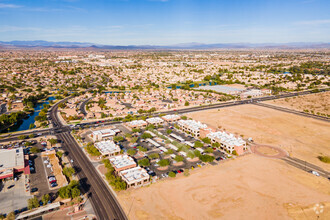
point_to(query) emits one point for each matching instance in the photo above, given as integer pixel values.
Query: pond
(25, 123)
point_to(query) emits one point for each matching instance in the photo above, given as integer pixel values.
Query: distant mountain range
(193, 45)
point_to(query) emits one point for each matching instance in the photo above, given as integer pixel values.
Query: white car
(315, 173)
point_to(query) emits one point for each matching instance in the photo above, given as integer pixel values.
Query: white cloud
(2, 5)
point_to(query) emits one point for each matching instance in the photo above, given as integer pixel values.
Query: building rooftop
(155, 120)
(171, 117)
(107, 147)
(105, 132)
(137, 123)
(121, 161)
(192, 124)
(226, 138)
(11, 158)
(135, 174)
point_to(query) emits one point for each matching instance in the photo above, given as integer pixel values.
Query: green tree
(208, 150)
(68, 171)
(146, 135)
(131, 152)
(31, 136)
(33, 203)
(22, 137)
(144, 162)
(75, 192)
(164, 163)
(198, 144)
(153, 156)
(235, 153)
(171, 174)
(206, 140)
(143, 149)
(34, 150)
(45, 199)
(206, 158)
(169, 131)
(59, 154)
(52, 141)
(178, 158)
(31, 126)
(118, 138)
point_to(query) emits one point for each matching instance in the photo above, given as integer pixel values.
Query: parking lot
(13, 195)
(38, 179)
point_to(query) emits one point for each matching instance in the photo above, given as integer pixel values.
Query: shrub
(171, 174)
(235, 153)
(325, 159)
(186, 172)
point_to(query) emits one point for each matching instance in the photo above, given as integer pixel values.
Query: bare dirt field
(249, 187)
(314, 103)
(304, 138)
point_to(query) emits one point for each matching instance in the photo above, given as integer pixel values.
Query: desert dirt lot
(304, 138)
(319, 102)
(249, 187)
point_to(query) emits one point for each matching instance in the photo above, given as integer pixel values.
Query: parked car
(53, 184)
(315, 173)
(34, 190)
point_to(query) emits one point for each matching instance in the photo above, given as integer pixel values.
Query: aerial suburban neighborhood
(147, 123)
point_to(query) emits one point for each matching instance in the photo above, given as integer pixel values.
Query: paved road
(308, 167)
(103, 200)
(304, 114)
(82, 106)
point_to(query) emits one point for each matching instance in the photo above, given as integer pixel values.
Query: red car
(178, 171)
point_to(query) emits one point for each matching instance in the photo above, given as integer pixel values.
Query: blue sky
(163, 22)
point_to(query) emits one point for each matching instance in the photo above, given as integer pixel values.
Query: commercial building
(155, 121)
(101, 134)
(135, 177)
(122, 162)
(191, 126)
(107, 148)
(251, 93)
(13, 161)
(137, 124)
(171, 118)
(228, 141)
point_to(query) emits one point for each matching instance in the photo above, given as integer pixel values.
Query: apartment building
(191, 126)
(107, 148)
(122, 162)
(171, 118)
(228, 141)
(135, 177)
(156, 121)
(137, 124)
